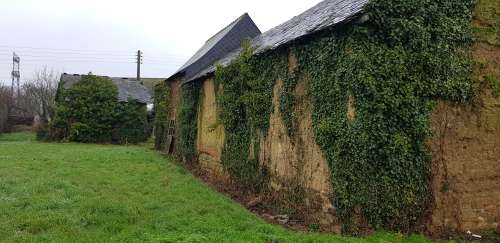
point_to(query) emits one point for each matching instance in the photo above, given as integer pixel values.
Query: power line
(24, 53)
(103, 58)
(33, 57)
(66, 55)
(89, 59)
(163, 58)
(166, 60)
(6, 48)
(161, 64)
(62, 61)
(100, 57)
(65, 50)
(38, 57)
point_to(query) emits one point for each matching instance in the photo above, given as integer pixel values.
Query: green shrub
(80, 132)
(90, 113)
(42, 133)
(132, 126)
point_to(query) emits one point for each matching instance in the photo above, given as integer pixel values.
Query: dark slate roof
(224, 42)
(211, 69)
(324, 15)
(127, 88)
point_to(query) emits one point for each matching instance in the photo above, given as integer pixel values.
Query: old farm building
(218, 47)
(314, 156)
(128, 89)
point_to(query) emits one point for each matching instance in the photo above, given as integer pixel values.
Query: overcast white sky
(102, 36)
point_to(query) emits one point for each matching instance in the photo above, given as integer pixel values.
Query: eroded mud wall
(299, 161)
(466, 166)
(465, 156)
(210, 140)
(175, 87)
(466, 152)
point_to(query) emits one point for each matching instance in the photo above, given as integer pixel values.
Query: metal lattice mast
(16, 74)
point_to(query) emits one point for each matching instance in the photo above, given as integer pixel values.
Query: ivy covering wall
(90, 113)
(246, 103)
(162, 111)
(388, 72)
(187, 118)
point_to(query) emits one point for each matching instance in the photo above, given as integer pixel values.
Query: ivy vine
(394, 66)
(246, 104)
(288, 101)
(162, 94)
(391, 68)
(187, 122)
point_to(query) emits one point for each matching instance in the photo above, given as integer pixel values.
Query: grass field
(104, 193)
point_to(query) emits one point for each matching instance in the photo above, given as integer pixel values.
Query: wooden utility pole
(139, 62)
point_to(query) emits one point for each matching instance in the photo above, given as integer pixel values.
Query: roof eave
(358, 18)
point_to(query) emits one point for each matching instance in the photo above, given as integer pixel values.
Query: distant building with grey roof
(128, 89)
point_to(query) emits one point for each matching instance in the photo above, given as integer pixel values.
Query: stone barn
(225, 42)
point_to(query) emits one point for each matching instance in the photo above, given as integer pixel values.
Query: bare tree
(36, 98)
(40, 92)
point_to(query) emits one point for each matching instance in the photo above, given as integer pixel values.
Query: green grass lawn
(104, 193)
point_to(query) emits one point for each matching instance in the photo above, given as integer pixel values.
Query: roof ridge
(323, 15)
(225, 41)
(227, 26)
